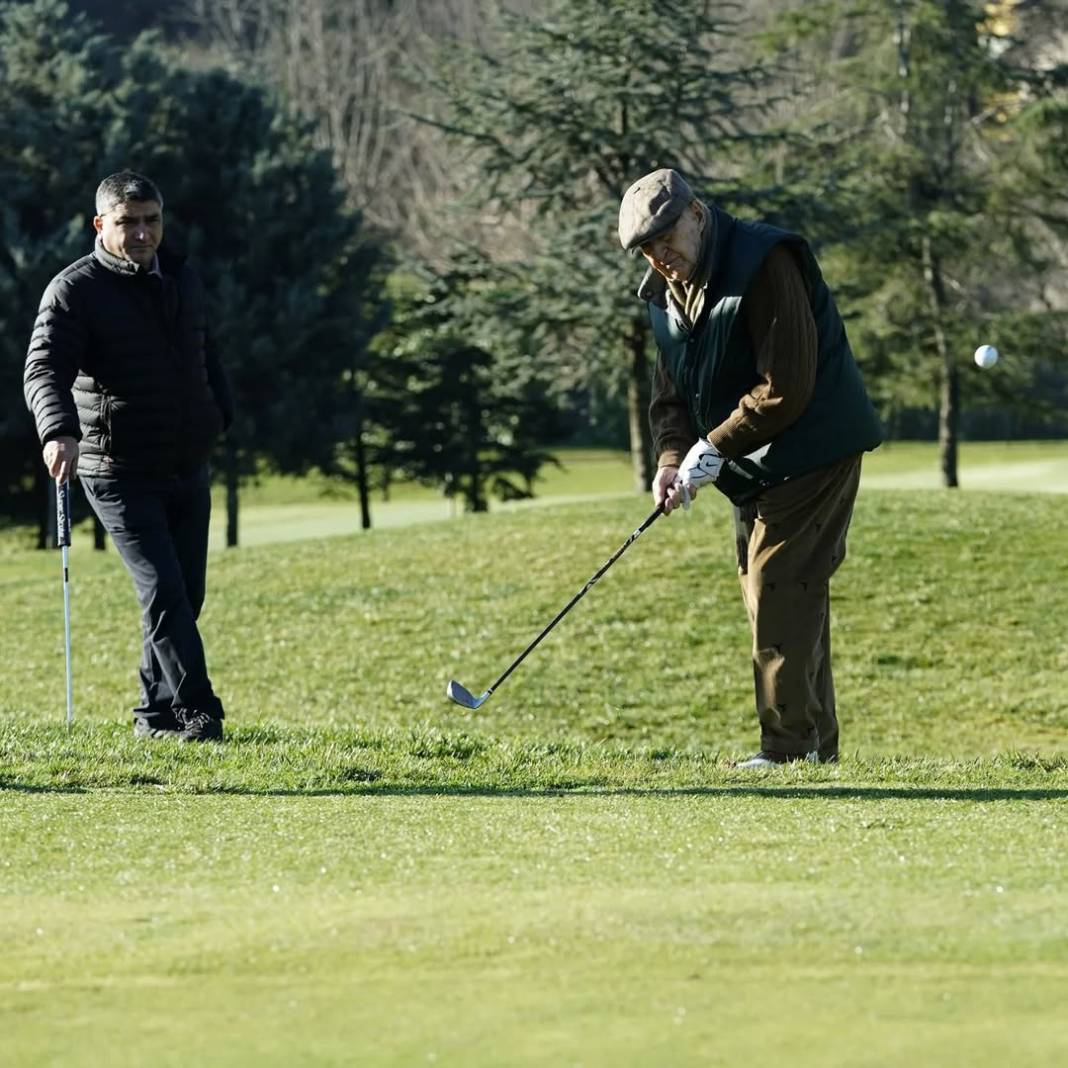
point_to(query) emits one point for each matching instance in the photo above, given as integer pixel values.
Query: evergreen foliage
(924, 155)
(260, 210)
(570, 106)
(455, 402)
(256, 207)
(55, 75)
(919, 117)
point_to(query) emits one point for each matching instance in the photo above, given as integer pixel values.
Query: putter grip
(62, 514)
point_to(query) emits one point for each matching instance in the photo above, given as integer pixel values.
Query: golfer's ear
(98, 223)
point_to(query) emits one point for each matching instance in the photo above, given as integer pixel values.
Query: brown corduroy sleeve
(782, 332)
(669, 421)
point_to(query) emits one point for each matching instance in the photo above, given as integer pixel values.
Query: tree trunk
(949, 385)
(948, 421)
(361, 476)
(638, 395)
(475, 491)
(476, 498)
(231, 496)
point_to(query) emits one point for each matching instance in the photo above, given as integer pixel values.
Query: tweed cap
(652, 206)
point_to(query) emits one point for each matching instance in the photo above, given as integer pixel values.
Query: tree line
(405, 211)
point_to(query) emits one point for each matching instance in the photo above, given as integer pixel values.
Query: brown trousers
(790, 541)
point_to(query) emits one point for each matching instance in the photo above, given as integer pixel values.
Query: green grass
(1019, 466)
(948, 627)
(365, 874)
(276, 508)
(285, 509)
(871, 926)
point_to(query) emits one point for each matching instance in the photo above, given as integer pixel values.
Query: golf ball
(986, 356)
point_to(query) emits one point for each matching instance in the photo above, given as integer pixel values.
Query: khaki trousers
(790, 541)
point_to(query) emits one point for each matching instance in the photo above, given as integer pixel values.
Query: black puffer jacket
(121, 359)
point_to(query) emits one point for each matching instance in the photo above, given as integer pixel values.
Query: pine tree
(917, 117)
(570, 106)
(55, 76)
(288, 270)
(454, 405)
(289, 273)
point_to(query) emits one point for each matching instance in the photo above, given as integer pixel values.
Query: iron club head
(462, 696)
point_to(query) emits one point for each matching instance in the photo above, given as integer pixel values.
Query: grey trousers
(790, 541)
(160, 529)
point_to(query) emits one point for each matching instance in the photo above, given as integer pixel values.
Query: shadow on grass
(784, 792)
(265, 760)
(794, 792)
(29, 788)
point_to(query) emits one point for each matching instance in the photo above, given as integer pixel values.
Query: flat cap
(652, 206)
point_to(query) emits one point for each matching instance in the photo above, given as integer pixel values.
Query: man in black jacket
(128, 392)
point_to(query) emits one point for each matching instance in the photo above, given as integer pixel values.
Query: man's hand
(667, 493)
(61, 458)
(700, 467)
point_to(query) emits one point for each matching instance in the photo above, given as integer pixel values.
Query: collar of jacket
(653, 288)
(114, 263)
(167, 263)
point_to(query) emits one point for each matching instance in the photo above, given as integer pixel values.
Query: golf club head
(462, 696)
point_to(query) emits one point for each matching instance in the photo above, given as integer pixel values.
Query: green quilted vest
(713, 365)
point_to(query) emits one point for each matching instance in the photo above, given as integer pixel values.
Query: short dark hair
(122, 186)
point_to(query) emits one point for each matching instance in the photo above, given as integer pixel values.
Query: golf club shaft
(648, 522)
(66, 629)
(63, 539)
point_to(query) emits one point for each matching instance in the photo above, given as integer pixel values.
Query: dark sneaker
(198, 726)
(144, 728)
(764, 759)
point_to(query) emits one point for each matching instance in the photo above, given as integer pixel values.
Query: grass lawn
(1020, 466)
(573, 875)
(291, 509)
(285, 509)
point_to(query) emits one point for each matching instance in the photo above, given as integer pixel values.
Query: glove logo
(709, 465)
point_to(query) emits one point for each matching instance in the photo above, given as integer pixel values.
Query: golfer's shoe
(198, 726)
(764, 759)
(144, 728)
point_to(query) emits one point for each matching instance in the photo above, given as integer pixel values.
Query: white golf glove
(701, 466)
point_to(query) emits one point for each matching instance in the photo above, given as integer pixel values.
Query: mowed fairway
(573, 875)
(282, 509)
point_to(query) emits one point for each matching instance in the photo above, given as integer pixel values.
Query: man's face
(675, 253)
(132, 230)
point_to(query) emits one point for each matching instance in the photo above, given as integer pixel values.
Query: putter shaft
(63, 540)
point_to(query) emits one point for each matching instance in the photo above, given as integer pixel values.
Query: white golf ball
(986, 356)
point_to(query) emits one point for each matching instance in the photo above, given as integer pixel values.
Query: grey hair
(122, 186)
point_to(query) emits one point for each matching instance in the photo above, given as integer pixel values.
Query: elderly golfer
(756, 391)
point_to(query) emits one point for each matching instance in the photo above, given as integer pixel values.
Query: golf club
(63, 540)
(462, 696)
